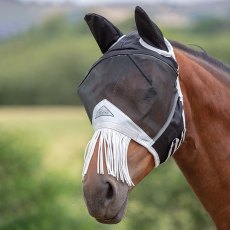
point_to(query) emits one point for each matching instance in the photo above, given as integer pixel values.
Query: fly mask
(131, 92)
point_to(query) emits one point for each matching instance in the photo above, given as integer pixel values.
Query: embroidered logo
(103, 111)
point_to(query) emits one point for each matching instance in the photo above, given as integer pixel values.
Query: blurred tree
(45, 65)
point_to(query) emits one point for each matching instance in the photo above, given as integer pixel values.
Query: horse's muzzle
(105, 197)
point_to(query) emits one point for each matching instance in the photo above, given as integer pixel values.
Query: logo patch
(104, 111)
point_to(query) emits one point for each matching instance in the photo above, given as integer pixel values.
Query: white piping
(170, 52)
(117, 41)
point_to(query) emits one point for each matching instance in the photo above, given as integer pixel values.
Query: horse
(156, 71)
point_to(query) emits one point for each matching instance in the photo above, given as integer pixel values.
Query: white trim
(117, 41)
(181, 99)
(170, 52)
(179, 90)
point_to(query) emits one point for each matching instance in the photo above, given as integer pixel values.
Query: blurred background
(45, 51)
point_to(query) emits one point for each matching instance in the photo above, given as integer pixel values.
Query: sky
(87, 2)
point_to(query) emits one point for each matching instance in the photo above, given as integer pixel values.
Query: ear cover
(104, 32)
(148, 30)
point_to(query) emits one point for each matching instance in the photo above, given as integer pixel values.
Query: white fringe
(113, 148)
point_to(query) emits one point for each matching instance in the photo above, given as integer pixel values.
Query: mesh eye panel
(118, 80)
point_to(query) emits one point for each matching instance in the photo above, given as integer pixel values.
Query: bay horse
(203, 87)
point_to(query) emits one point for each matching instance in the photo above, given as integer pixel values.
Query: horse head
(133, 99)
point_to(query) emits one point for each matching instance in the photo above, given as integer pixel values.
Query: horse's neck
(204, 158)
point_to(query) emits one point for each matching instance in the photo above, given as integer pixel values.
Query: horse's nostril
(110, 191)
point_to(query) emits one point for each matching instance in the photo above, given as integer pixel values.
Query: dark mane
(203, 55)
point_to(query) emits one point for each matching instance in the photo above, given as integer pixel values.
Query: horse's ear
(148, 30)
(104, 32)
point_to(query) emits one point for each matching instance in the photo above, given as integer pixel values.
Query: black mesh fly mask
(133, 92)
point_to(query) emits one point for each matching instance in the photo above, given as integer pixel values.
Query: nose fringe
(112, 149)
